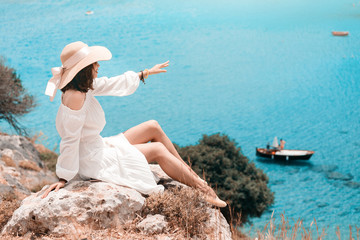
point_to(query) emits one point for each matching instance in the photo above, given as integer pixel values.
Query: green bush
(236, 180)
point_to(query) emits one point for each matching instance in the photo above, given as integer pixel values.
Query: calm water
(250, 69)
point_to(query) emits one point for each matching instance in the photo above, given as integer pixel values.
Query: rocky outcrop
(21, 170)
(83, 205)
(80, 203)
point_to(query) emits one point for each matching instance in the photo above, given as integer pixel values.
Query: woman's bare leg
(157, 152)
(151, 131)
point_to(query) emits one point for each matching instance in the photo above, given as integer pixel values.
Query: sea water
(249, 69)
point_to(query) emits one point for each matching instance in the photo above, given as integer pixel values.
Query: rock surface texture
(93, 204)
(21, 170)
(153, 224)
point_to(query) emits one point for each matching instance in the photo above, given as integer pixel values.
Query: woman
(122, 159)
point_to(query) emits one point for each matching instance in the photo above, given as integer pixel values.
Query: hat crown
(70, 49)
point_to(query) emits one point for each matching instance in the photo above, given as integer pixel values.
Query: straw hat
(74, 57)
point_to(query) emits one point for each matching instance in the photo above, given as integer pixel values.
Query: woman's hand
(158, 68)
(55, 186)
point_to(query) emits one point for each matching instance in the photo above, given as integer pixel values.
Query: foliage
(50, 159)
(14, 100)
(235, 179)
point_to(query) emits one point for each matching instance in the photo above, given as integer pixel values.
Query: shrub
(235, 179)
(14, 101)
(50, 159)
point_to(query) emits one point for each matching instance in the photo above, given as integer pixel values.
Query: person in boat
(268, 146)
(122, 159)
(282, 144)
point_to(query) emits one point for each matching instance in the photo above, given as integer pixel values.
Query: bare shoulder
(73, 99)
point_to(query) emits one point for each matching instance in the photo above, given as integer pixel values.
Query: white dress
(111, 159)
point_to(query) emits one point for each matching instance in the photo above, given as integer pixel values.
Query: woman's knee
(154, 125)
(159, 150)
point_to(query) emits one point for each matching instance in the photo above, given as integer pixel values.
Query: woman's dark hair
(83, 81)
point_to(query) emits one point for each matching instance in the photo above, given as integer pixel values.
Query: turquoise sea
(250, 69)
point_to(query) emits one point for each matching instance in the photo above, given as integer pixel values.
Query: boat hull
(284, 155)
(340, 34)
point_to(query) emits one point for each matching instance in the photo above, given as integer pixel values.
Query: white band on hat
(54, 82)
(77, 57)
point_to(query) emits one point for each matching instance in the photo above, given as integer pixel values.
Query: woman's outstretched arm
(158, 68)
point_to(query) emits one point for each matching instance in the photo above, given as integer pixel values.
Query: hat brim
(97, 53)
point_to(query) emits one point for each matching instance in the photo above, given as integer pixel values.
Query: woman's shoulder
(73, 99)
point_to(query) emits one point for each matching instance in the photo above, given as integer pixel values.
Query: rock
(153, 224)
(85, 206)
(21, 167)
(339, 176)
(78, 204)
(219, 226)
(323, 168)
(21, 148)
(323, 204)
(6, 191)
(352, 184)
(20, 190)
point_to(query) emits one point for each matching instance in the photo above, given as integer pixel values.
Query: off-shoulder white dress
(111, 159)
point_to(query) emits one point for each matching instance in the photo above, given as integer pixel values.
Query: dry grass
(8, 161)
(285, 231)
(183, 208)
(26, 164)
(8, 205)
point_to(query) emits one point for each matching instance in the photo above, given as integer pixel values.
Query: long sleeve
(121, 85)
(67, 165)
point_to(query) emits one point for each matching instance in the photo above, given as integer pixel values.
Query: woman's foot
(210, 195)
(215, 201)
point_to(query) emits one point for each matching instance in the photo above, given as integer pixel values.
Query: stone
(21, 167)
(352, 184)
(21, 147)
(219, 226)
(323, 168)
(339, 176)
(78, 204)
(153, 224)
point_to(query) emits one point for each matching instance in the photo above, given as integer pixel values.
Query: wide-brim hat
(74, 57)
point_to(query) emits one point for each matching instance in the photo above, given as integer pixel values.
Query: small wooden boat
(341, 34)
(89, 12)
(284, 154)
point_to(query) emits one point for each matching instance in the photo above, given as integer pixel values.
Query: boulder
(21, 167)
(152, 224)
(220, 229)
(78, 204)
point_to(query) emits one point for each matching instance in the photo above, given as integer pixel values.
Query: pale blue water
(250, 69)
